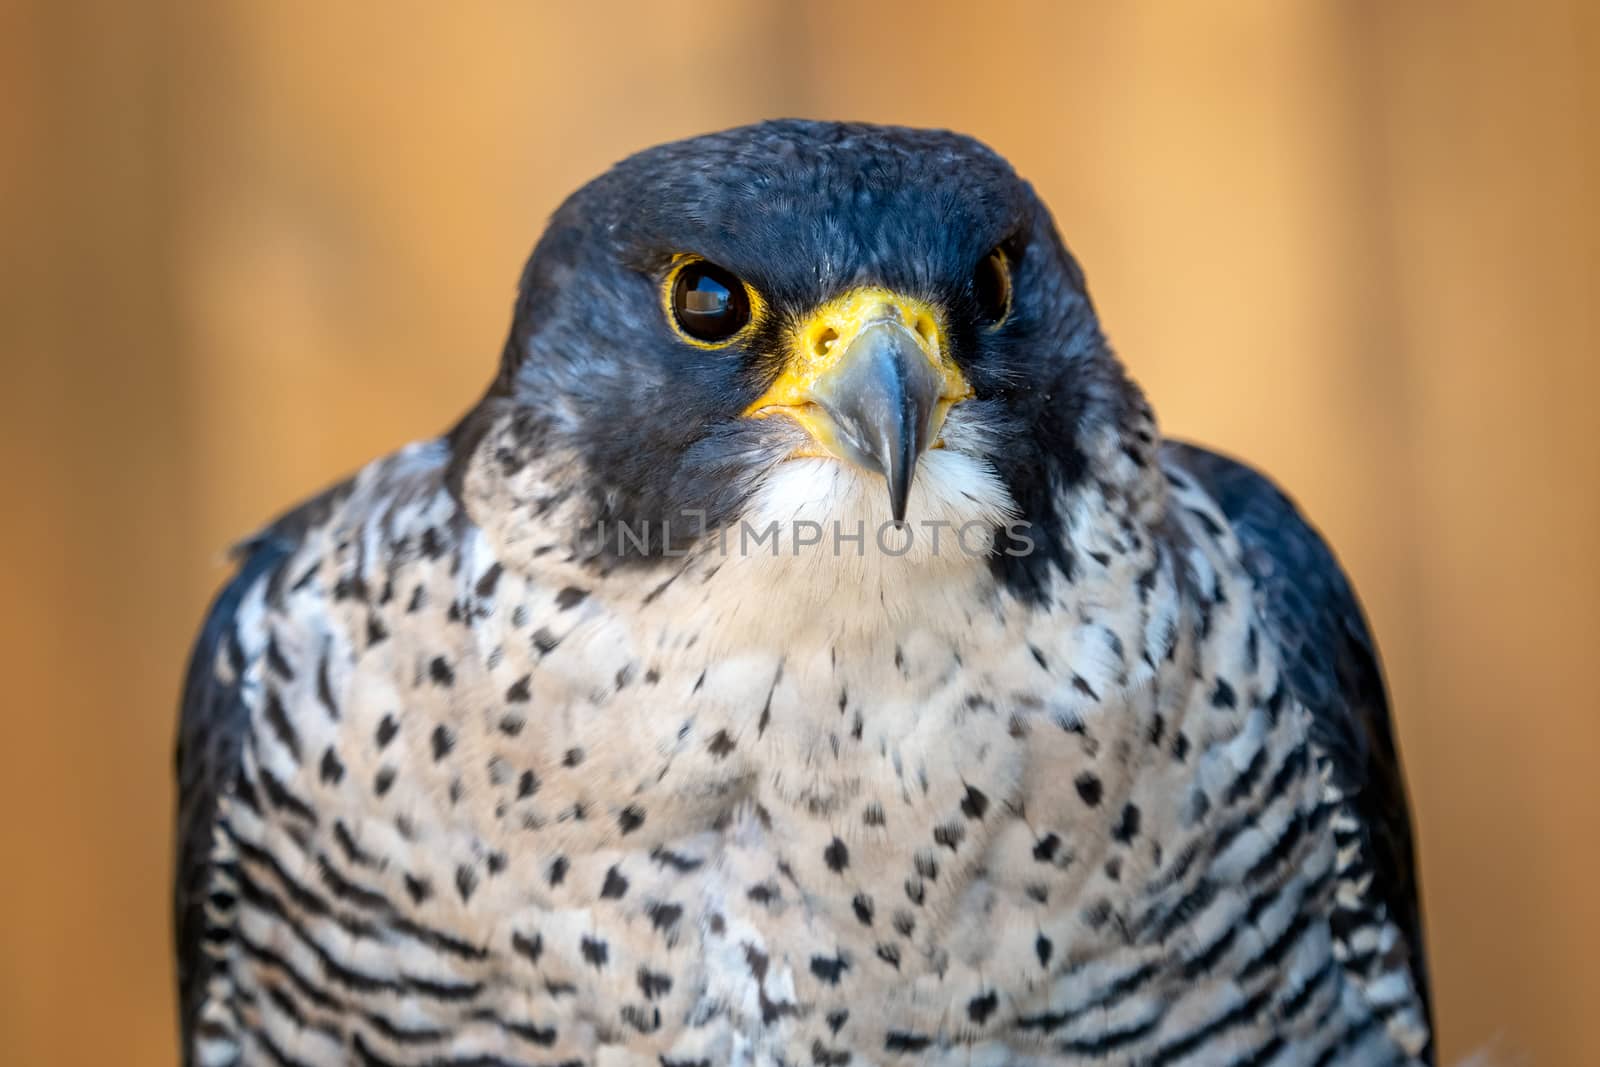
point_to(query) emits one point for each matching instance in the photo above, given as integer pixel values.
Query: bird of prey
(807, 651)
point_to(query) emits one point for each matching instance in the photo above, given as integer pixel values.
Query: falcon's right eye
(709, 303)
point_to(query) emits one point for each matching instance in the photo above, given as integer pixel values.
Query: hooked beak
(871, 383)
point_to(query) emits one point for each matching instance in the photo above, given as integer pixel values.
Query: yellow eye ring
(708, 305)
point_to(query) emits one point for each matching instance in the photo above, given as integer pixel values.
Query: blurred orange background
(252, 245)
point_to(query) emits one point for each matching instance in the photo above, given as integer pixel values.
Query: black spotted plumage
(462, 781)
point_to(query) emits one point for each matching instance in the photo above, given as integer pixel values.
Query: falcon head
(834, 321)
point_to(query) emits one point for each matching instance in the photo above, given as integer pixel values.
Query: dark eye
(709, 303)
(991, 287)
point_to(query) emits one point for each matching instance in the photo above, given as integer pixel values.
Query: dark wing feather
(211, 729)
(1332, 668)
(212, 725)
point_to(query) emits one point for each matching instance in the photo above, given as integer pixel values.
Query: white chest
(558, 824)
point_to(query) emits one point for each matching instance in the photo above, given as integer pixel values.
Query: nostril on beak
(881, 398)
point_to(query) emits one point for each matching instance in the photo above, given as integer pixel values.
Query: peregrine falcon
(807, 651)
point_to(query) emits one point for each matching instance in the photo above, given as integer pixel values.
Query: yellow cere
(816, 346)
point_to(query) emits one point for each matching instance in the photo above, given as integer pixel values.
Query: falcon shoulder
(212, 725)
(1331, 665)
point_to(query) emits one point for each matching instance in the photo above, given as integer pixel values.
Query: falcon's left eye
(709, 303)
(991, 286)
